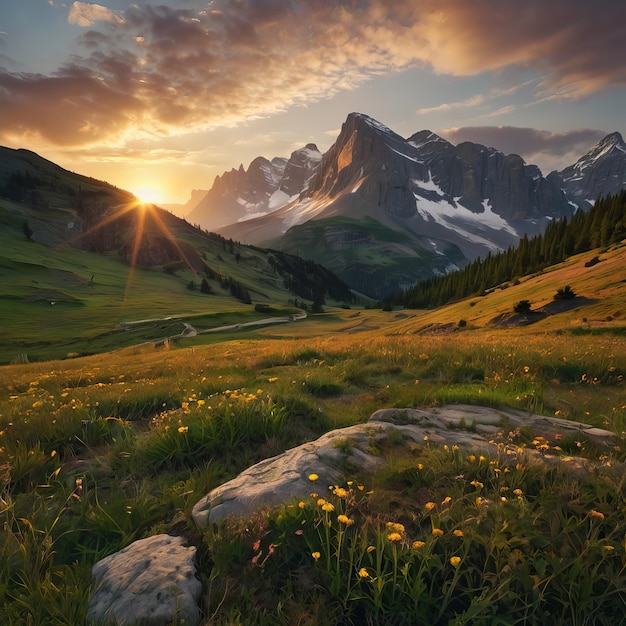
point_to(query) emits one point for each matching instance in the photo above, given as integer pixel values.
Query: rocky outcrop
(333, 455)
(151, 582)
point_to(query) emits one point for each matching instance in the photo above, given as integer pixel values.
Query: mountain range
(383, 211)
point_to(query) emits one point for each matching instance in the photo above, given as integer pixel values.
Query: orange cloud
(86, 14)
(161, 69)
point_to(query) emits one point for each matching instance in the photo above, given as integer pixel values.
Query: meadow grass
(96, 452)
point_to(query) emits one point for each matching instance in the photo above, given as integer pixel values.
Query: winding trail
(191, 331)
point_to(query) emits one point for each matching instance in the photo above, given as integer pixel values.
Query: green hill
(78, 257)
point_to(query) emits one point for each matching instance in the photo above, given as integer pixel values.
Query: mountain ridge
(472, 197)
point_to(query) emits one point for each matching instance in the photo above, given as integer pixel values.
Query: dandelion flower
(394, 537)
(370, 549)
(344, 519)
(363, 573)
(429, 506)
(316, 555)
(609, 548)
(437, 532)
(458, 533)
(313, 477)
(455, 560)
(301, 504)
(340, 492)
(183, 429)
(518, 492)
(328, 507)
(597, 514)
(416, 545)
(446, 500)
(395, 527)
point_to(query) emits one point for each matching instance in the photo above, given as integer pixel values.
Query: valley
(147, 366)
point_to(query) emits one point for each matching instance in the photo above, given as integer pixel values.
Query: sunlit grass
(98, 451)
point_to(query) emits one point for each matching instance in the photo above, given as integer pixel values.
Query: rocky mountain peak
(600, 171)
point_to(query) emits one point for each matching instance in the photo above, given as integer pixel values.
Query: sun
(148, 195)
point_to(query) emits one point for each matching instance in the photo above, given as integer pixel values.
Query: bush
(565, 293)
(523, 307)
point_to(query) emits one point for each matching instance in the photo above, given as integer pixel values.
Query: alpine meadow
(270, 360)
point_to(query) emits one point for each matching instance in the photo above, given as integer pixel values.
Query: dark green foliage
(523, 307)
(603, 225)
(307, 279)
(205, 287)
(565, 293)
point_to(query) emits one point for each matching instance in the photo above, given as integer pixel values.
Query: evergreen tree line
(603, 225)
(308, 279)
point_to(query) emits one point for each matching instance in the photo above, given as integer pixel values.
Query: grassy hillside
(100, 450)
(80, 258)
(370, 257)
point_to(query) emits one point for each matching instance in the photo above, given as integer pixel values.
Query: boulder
(332, 456)
(151, 582)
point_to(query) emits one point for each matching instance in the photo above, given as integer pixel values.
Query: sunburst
(144, 211)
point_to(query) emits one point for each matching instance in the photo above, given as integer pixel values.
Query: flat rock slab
(151, 582)
(286, 476)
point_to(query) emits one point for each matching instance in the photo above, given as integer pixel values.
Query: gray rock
(151, 582)
(335, 454)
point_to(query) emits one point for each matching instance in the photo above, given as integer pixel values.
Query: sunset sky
(160, 96)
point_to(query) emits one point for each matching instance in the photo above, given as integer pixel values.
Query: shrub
(565, 293)
(523, 307)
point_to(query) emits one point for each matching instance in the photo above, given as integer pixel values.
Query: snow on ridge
(406, 156)
(429, 185)
(448, 215)
(279, 199)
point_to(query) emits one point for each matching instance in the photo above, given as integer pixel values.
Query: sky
(160, 96)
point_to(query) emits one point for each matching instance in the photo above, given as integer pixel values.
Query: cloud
(547, 149)
(86, 14)
(163, 69)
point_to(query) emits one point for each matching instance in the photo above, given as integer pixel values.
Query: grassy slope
(368, 254)
(114, 421)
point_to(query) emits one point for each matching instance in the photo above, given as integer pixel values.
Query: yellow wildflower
(416, 545)
(313, 477)
(597, 514)
(455, 560)
(458, 533)
(394, 537)
(316, 555)
(301, 504)
(183, 429)
(344, 519)
(429, 506)
(340, 492)
(363, 573)
(437, 532)
(328, 507)
(395, 527)
(370, 549)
